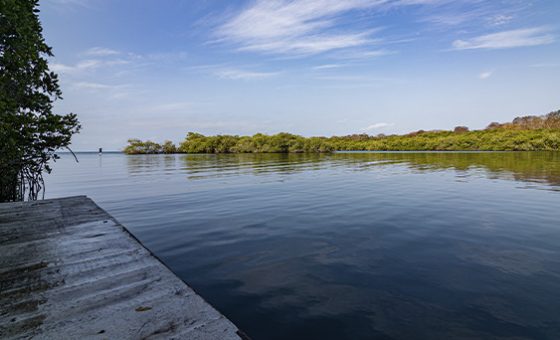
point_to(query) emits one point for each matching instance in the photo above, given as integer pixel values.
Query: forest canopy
(527, 133)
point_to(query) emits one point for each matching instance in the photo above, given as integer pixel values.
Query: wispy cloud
(102, 58)
(485, 75)
(377, 126)
(94, 86)
(112, 91)
(295, 27)
(85, 65)
(507, 39)
(468, 13)
(100, 52)
(363, 54)
(500, 19)
(309, 27)
(239, 74)
(327, 66)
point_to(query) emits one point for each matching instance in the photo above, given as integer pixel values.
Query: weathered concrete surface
(68, 270)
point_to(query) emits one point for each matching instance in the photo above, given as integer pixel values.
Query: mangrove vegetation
(529, 133)
(30, 133)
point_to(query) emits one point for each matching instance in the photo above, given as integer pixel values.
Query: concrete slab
(68, 270)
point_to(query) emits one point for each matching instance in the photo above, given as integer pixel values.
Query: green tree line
(529, 133)
(259, 143)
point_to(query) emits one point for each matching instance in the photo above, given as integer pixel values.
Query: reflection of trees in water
(522, 166)
(140, 164)
(217, 165)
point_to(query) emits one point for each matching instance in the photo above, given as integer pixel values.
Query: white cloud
(363, 54)
(507, 39)
(485, 75)
(377, 126)
(236, 74)
(85, 65)
(112, 91)
(294, 27)
(60, 68)
(476, 13)
(309, 27)
(92, 86)
(327, 66)
(448, 20)
(310, 45)
(81, 66)
(103, 58)
(500, 19)
(100, 52)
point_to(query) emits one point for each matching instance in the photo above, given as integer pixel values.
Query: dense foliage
(278, 143)
(549, 121)
(486, 140)
(136, 146)
(530, 133)
(259, 143)
(30, 134)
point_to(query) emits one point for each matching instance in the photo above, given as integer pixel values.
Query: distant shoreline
(339, 151)
(422, 141)
(528, 133)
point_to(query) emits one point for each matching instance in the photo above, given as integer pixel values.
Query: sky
(154, 69)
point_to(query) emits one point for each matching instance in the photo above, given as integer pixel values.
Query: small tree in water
(30, 134)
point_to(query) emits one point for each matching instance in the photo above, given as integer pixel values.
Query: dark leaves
(30, 134)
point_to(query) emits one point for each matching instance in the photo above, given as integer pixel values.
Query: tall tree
(30, 133)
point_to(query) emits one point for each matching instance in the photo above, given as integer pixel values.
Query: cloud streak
(485, 75)
(377, 126)
(295, 27)
(327, 66)
(309, 27)
(100, 52)
(85, 65)
(239, 74)
(94, 86)
(507, 39)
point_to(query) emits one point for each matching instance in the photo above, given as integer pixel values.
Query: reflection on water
(540, 167)
(348, 245)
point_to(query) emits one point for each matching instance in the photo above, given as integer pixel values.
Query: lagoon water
(347, 245)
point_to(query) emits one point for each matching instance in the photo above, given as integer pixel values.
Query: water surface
(348, 245)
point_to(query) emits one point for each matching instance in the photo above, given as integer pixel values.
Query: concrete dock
(68, 270)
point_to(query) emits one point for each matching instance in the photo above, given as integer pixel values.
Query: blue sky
(156, 69)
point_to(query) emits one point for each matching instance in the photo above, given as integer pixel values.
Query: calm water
(348, 246)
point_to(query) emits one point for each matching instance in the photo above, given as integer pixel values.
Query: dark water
(348, 246)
